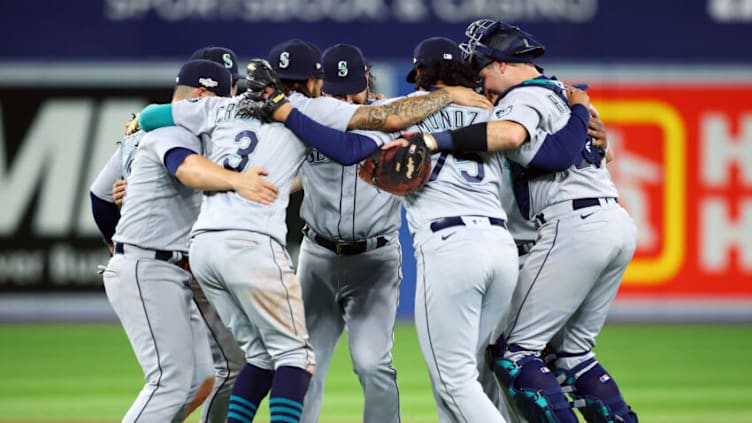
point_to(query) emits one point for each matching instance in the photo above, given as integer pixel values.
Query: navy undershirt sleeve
(174, 158)
(562, 149)
(106, 216)
(345, 148)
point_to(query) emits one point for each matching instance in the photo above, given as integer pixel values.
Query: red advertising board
(684, 171)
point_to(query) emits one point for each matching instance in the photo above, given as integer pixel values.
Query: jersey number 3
(246, 142)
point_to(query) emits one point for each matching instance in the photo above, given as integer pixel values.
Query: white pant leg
(453, 320)
(153, 302)
(227, 356)
(370, 295)
(323, 320)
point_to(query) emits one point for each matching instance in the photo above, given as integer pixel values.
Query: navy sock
(288, 389)
(251, 386)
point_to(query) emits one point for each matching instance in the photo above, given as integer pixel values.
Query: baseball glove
(399, 170)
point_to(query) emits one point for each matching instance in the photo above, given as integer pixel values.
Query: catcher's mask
(490, 40)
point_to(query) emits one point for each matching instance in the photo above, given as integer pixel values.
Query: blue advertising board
(650, 31)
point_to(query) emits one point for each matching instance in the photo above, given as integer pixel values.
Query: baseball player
(227, 356)
(575, 207)
(145, 279)
(457, 219)
(350, 260)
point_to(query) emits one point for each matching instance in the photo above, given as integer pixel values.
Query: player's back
(237, 140)
(543, 112)
(460, 184)
(158, 210)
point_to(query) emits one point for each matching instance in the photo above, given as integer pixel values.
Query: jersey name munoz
(338, 204)
(542, 112)
(238, 141)
(158, 210)
(119, 166)
(460, 184)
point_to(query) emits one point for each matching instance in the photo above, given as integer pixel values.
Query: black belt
(161, 255)
(344, 248)
(581, 203)
(524, 247)
(448, 222)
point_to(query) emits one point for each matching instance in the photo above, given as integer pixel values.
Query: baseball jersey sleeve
(111, 172)
(326, 111)
(196, 114)
(523, 106)
(380, 138)
(175, 137)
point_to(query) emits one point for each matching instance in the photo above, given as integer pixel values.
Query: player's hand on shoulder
(578, 96)
(597, 130)
(467, 97)
(118, 192)
(252, 186)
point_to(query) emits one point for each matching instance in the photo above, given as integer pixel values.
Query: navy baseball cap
(296, 59)
(221, 55)
(205, 74)
(344, 70)
(433, 50)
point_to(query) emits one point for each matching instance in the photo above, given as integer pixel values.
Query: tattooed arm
(408, 111)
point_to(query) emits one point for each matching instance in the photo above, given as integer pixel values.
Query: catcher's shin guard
(596, 394)
(535, 390)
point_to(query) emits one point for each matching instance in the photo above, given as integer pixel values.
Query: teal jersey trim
(156, 116)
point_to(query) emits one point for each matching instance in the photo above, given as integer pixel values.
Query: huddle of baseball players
(519, 237)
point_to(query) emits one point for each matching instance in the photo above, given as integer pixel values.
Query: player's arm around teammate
(145, 280)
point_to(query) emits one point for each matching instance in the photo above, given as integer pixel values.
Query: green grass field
(668, 373)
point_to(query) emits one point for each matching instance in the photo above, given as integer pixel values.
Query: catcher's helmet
(491, 40)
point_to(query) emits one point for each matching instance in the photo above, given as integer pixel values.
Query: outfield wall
(683, 137)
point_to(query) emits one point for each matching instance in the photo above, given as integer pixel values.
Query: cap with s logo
(221, 55)
(344, 70)
(205, 74)
(296, 60)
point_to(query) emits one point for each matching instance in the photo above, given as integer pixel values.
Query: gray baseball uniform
(238, 247)
(148, 286)
(581, 226)
(227, 356)
(349, 269)
(456, 220)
